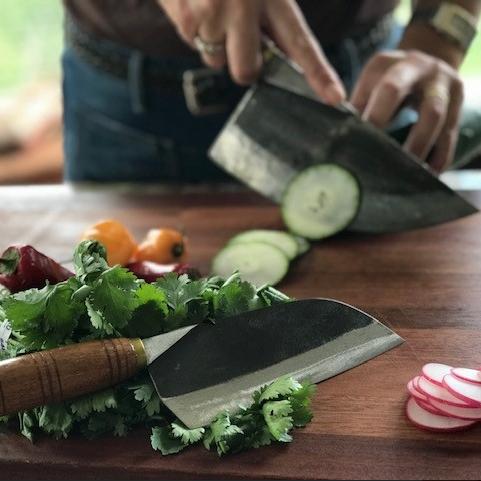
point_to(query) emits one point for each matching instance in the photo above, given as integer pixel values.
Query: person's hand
(238, 25)
(392, 79)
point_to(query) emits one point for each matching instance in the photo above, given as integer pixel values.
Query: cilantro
(112, 300)
(278, 419)
(187, 436)
(148, 319)
(90, 260)
(283, 386)
(55, 419)
(103, 301)
(163, 440)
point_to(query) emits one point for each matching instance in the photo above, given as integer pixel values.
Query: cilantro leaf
(234, 298)
(148, 319)
(278, 419)
(55, 419)
(162, 440)
(112, 300)
(220, 433)
(188, 436)
(144, 392)
(90, 260)
(280, 387)
(147, 394)
(301, 401)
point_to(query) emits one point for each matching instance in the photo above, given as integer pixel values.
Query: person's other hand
(238, 24)
(392, 79)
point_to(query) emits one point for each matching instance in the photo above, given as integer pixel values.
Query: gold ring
(437, 91)
(208, 48)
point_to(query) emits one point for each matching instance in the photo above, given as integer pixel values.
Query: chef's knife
(281, 127)
(201, 370)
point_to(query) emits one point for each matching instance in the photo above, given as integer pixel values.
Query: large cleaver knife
(281, 127)
(200, 370)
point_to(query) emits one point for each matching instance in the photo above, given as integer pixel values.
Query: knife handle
(51, 376)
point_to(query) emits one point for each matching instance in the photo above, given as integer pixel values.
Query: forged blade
(155, 346)
(274, 134)
(217, 367)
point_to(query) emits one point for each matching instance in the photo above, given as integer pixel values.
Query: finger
(292, 34)
(443, 152)
(243, 48)
(370, 76)
(432, 117)
(212, 30)
(390, 91)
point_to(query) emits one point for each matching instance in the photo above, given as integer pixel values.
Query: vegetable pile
(103, 301)
(444, 398)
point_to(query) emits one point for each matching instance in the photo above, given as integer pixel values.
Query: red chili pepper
(23, 267)
(151, 271)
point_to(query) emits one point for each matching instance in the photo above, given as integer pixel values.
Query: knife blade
(201, 370)
(280, 127)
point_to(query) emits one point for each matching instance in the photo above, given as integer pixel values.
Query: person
(125, 112)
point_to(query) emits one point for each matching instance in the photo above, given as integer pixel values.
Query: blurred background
(30, 86)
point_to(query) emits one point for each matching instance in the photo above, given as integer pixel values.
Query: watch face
(456, 23)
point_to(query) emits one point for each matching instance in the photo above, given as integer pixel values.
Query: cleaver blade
(218, 366)
(280, 128)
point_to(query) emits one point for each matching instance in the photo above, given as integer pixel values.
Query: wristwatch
(450, 20)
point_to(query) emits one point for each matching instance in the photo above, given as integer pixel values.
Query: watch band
(450, 20)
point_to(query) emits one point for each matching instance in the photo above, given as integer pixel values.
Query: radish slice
(429, 407)
(468, 413)
(433, 422)
(414, 391)
(464, 390)
(471, 375)
(435, 372)
(439, 393)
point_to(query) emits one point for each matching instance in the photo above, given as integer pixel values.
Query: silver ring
(208, 48)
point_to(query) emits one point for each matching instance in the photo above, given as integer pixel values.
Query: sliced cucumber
(280, 239)
(302, 245)
(257, 262)
(321, 201)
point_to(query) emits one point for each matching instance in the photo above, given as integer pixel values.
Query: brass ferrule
(139, 349)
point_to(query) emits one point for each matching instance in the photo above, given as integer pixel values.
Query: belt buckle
(206, 91)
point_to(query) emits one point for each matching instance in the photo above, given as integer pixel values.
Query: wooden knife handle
(47, 377)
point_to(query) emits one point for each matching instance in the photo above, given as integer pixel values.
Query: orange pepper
(116, 239)
(163, 246)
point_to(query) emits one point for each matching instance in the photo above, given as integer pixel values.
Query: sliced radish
(471, 375)
(429, 407)
(433, 422)
(438, 393)
(435, 372)
(468, 413)
(413, 390)
(464, 390)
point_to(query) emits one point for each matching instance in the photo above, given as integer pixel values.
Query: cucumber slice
(302, 245)
(257, 262)
(321, 201)
(282, 240)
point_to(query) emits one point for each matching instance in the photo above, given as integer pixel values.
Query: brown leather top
(141, 24)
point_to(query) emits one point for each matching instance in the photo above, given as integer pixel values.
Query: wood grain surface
(426, 285)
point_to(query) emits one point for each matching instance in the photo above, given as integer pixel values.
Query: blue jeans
(126, 130)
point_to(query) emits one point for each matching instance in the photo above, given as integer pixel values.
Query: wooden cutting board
(426, 285)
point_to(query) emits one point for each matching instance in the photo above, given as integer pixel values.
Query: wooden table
(426, 285)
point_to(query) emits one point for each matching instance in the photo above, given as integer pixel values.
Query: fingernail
(334, 94)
